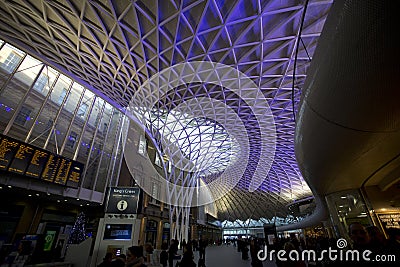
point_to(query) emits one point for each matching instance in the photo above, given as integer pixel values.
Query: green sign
(49, 239)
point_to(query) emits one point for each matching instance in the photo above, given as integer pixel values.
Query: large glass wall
(42, 107)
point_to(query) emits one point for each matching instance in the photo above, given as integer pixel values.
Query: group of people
(255, 245)
(187, 258)
(139, 256)
(136, 256)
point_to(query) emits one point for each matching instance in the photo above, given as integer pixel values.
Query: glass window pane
(9, 58)
(65, 120)
(79, 122)
(73, 97)
(117, 162)
(97, 148)
(23, 116)
(27, 71)
(86, 102)
(142, 149)
(45, 120)
(11, 62)
(157, 160)
(108, 149)
(16, 89)
(105, 120)
(71, 140)
(95, 116)
(41, 82)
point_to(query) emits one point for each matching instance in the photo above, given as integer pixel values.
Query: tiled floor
(219, 256)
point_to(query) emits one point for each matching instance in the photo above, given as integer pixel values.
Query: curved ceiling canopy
(114, 47)
(349, 118)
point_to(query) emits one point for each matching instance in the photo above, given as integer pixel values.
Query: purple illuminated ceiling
(113, 47)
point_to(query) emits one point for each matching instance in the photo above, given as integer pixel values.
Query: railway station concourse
(136, 122)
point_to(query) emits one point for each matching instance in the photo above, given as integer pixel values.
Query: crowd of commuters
(169, 256)
(362, 239)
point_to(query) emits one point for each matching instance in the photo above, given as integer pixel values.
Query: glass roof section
(205, 143)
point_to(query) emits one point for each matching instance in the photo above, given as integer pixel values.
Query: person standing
(119, 261)
(106, 260)
(164, 254)
(187, 258)
(183, 244)
(172, 251)
(134, 257)
(202, 249)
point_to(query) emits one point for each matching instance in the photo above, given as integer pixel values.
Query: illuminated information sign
(19, 157)
(123, 200)
(390, 220)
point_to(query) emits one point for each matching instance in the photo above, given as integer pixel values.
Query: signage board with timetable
(31, 161)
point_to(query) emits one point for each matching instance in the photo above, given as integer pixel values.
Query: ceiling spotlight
(1, 187)
(81, 205)
(48, 193)
(343, 197)
(87, 204)
(65, 200)
(58, 200)
(77, 199)
(29, 195)
(37, 195)
(9, 186)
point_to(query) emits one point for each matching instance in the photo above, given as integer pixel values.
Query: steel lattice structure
(114, 47)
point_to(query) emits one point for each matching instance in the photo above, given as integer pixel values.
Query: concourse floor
(217, 256)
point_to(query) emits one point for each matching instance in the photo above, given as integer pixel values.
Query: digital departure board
(37, 164)
(8, 148)
(19, 157)
(75, 174)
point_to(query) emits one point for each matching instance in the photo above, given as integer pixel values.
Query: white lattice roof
(115, 46)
